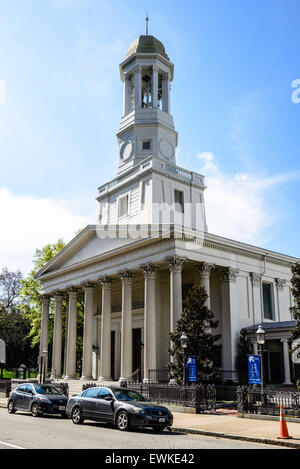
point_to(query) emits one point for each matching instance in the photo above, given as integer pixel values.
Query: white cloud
(236, 204)
(29, 223)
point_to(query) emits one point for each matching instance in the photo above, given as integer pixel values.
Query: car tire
(35, 410)
(122, 421)
(11, 407)
(159, 428)
(76, 416)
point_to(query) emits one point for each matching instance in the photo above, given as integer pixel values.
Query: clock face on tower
(126, 150)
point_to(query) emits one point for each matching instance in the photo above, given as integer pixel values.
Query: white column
(126, 94)
(137, 88)
(72, 335)
(176, 264)
(280, 283)
(45, 328)
(105, 354)
(256, 299)
(66, 335)
(204, 271)
(166, 93)
(155, 86)
(126, 326)
(150, 330)
(229, 317)
(57, 337)
(87, 353)
(286, 361)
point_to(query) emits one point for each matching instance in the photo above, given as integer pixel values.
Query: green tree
(244, 349)
(30, 292)
(198, 323)
(31, 305)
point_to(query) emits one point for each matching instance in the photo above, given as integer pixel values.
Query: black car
(38, 399)
(122, 407)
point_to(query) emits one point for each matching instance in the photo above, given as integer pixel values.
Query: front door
(104, 409)
(137, 351)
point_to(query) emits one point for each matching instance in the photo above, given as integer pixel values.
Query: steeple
(147, 126)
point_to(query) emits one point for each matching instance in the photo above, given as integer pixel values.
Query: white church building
(149, 245)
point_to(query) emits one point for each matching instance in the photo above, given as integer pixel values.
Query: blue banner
(191, 368)
(254, 369)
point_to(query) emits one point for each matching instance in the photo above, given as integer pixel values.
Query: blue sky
(231, 99)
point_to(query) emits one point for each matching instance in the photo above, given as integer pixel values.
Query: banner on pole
(254, 369)
(191, 368)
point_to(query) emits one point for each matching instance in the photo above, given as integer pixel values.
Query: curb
(230, 436)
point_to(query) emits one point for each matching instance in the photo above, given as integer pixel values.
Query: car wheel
(34, 410)
(159, 428)
(11, 407)
(76, 415)
(122, 421)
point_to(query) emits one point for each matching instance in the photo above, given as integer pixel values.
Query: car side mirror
(108, 398)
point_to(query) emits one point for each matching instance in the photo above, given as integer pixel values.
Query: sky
(235, 101)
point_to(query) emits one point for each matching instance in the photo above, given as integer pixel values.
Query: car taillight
(10, 393)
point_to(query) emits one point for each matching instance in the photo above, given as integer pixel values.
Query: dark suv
(38, 399)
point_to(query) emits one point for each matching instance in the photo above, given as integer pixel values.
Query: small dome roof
(146, 45)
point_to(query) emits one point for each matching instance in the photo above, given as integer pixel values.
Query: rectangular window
(146, 145)
(268, 302)
(123, 206)
(178, 197)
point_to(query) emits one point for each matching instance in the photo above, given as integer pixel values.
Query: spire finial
(147, 22)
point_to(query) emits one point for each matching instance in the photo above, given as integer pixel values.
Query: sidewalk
(225, 423)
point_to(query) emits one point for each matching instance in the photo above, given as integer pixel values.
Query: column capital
(88, 287)
(205, 269)
(58, 296)
(45, 298)
(280, 283)
(228, 274)
(72, 292)
(155, 68)
(126, 276)
(176, 263)
(149, 270)
(256, 279)
(106, 282)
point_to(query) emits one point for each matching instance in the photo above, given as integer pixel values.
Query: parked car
(38, 399)
(125, 408)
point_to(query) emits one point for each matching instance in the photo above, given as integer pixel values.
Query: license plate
(61, 407)
(161, 419)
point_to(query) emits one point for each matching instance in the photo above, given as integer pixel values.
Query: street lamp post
(44, 364)
(183, 340)
(260, 338)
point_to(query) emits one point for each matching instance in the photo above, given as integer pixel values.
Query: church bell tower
(147, 126)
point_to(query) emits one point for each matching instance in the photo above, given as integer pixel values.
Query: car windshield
(47, 390)
(127, 395)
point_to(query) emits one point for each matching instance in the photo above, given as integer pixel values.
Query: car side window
(93, 392)
(21, 388)
(104, 393)
(29, 389)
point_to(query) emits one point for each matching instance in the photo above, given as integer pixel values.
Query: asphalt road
(23, 431)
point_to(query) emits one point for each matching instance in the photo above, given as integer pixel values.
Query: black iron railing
(251, 400)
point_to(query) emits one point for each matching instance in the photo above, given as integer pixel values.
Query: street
(22, 431)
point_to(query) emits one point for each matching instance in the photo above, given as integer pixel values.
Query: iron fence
(252, 400)
(201, 397)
